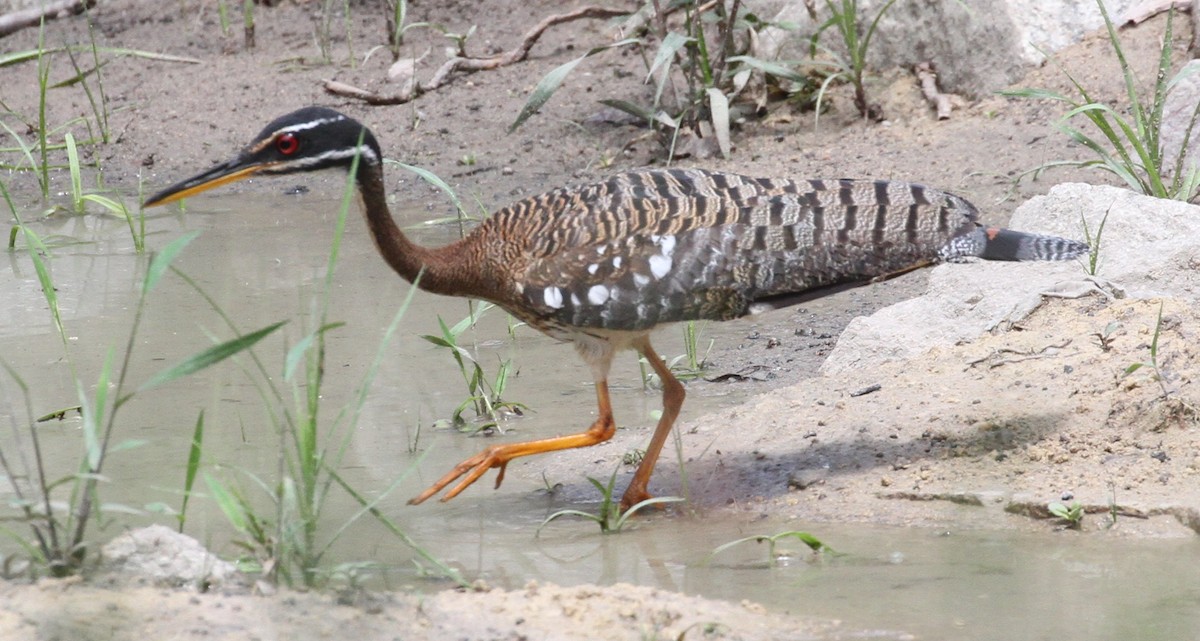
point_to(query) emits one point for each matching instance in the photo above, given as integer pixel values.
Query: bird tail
(994, 243)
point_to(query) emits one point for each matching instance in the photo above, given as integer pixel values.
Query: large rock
(166, 557)
(978, 46)
(1179, 111)
(1149, 248)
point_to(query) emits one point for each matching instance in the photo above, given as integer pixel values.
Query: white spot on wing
(592, 268)
(553, 297)
(574, 299)
(660, 265)
(598, 295)
(617, 262)
(641, 280)
(668, 245)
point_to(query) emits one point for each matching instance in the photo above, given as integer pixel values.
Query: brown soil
(981, 434)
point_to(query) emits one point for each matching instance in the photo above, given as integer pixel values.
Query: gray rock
(1177, 116)
(1150, 247)
(165, 557)
(978, 46)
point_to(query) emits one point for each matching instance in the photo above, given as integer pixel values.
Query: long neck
(443, 270)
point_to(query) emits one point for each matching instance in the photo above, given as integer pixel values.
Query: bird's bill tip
(220, 175)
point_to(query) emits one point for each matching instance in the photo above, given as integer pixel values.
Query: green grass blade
(446, 570)
(666, 52)
(80, 76)
(1097, 114)
(149, 55)
(634, 509)
(777, 69)
(26, 150)
(811, 541)
(36, 250)
(635, 110)
(563, 513)
(552, 81)
(211, 356)
(295, 355)
(93, 411)
(1126, 71)
(193, 465)
(113, 207)
(1106, 160)
(163, 259)
(127, 444)
(470, 319)
(17, 57)
(229, 505)
(1037, 94)
(662, 61)
(1153, 127)
(732, 544)
(433, 179)
(76, 174)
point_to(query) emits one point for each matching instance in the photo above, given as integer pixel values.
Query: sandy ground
(982, 433)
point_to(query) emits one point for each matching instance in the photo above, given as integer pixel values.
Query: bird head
(307, 139)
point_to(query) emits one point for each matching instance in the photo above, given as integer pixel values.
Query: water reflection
(263, 262)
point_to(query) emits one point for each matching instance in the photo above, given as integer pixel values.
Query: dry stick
(940, 101)
(17, 20)
(470, 64)
(1022, 355)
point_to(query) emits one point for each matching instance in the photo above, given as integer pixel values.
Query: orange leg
(498, 456)
(673, 395)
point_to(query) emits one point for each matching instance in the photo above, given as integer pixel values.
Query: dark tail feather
(993, 243)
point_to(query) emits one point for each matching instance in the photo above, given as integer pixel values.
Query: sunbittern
(602, 265)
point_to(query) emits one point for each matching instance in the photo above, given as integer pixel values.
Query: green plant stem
(43, 82)
(83, 512)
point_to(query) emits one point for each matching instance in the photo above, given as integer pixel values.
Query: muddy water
(264, 261)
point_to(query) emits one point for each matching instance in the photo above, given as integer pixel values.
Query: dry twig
(941, 101)
(471, 64)
(1048, 351)
(17, 20)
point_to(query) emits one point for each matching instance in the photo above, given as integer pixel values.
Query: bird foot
(634, 495)
(496, 456)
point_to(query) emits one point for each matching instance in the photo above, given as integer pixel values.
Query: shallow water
(264, 261)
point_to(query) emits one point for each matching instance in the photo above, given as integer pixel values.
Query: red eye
(287, 144)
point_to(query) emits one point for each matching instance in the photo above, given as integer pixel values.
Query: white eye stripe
(304, 126)
(367, 154)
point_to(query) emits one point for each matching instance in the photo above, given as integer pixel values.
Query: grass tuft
(1129, 147)
(609, 517)
(772, 540)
